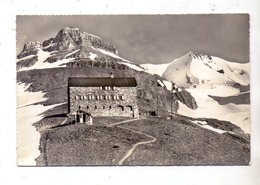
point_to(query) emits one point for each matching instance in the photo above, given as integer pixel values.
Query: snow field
(209, 108)
(28, 138)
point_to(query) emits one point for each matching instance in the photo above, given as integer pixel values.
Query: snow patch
(93, 35)
(168, 85)
(51, 44)
(92, 56)
(135, 67)
(204, 124)
(112, 54)
(160, 83)
(42, 56)
(71, 53)
(29, 56)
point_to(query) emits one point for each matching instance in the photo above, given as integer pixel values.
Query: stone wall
(98, 101)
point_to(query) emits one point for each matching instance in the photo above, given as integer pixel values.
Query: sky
(151, 38)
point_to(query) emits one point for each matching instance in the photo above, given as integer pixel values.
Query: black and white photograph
(133, 90)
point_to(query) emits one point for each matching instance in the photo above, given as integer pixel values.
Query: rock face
(30, 48)
(186, 98)
(86, 56)
(69, 39)
(70, 43)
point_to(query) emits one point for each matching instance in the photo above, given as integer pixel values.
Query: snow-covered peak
(200, 56)
(195, 69)
(205, 59)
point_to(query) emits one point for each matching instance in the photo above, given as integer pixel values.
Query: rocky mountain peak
(31, 45)
(69, 38)
(29, 48)
(200, 56)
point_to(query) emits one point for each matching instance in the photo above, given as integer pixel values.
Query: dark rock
(47, 42)
(30, 48)
(186, 98)
(26, 63)
(220, 71)
(31, 45)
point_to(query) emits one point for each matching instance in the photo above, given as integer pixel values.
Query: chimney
(112, 75)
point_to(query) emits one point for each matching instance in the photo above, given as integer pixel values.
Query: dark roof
(101, 81)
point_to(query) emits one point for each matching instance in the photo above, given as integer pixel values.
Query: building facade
(104, 96)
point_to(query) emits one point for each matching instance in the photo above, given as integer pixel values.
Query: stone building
(103, 96)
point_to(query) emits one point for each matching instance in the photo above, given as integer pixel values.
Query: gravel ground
(179, 142)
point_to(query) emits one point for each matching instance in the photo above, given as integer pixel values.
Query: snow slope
(155, 68)
(27, 57)
(209, 108)
(28, 138)
(26, 98)
(204, 75)
(127, 62)
(194, 69)
(42, 56)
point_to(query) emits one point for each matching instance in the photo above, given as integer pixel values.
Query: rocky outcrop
(27, 62)
(186, 98)
(200, 56)
(47, 42)
(69, 39)
(72, 38)
(30, 48)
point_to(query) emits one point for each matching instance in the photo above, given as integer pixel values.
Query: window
(104, 107)
(129, 108)
(121, 107)
(95, 107)
(87, 107)
(113, 88)
(110, 107)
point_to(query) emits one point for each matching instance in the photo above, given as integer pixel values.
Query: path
(126, 121)
(131, 150)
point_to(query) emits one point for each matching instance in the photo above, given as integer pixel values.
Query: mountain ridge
(69, 45)
(43, 70)
(66, 39)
